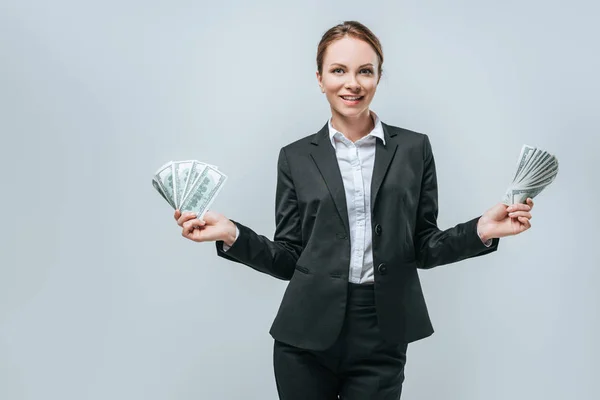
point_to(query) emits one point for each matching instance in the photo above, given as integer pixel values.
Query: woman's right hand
(212, 227)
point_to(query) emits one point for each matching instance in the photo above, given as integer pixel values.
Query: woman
(356, 210)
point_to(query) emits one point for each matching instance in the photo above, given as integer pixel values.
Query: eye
(337, 69)
(369, 70)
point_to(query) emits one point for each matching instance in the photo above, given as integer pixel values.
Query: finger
(186, 216)
(177, 214)
(190, 226)
(199, 235)
(517, 214)
(530, 202)
(518, 207)
(526, 224)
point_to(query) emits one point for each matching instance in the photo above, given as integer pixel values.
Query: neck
(354, 127)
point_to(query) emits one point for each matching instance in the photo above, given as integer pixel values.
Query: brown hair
(353, 29)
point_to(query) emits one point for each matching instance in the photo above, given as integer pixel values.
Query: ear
(320, 81)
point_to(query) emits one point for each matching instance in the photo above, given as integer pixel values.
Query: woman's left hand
(502, 220)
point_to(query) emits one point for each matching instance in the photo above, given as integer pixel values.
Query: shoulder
(306, 143)
(404, 136)
(302, 144)
(410, 140)
(404, 133)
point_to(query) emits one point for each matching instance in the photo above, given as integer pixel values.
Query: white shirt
(356, 161)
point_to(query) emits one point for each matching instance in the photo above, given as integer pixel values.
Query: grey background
(101, 297)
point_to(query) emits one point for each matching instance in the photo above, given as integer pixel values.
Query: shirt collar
(376, 132)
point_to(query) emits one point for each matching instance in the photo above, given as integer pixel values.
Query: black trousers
(360, 365)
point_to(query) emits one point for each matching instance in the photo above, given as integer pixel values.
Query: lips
(351, 100)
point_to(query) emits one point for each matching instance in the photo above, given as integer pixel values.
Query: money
(536, 169)
(189, 185)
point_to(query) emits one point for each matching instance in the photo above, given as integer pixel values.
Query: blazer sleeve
(275, 257)
(434, 247)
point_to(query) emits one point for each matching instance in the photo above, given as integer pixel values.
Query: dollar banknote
(536, 169)
(189, 185)
(164, 176)
(203, 191)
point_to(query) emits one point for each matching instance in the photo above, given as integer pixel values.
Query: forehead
(350, 51)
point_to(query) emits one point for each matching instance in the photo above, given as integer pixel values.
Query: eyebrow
(342, 65)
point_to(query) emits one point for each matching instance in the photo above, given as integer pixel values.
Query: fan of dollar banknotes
(189, 185)
(536, 169)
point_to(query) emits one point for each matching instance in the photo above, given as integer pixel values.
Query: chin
(351, 111)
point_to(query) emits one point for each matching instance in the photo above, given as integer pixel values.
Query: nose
(352, 84)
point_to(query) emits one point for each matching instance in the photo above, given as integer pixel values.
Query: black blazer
(311, 244)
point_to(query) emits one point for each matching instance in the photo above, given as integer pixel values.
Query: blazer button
(378, 230)
(382, 269)
(340, 235)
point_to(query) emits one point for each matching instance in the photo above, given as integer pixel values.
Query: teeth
(351, 98)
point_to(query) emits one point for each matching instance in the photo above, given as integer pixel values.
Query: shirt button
(378, 230)
(382, 269)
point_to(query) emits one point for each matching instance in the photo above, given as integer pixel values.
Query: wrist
(230, 234)
(483, 230)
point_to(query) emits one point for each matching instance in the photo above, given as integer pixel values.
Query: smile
(351, 100)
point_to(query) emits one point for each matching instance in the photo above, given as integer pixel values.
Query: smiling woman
(356, 215)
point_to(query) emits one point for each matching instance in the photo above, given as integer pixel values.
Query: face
(350, 76)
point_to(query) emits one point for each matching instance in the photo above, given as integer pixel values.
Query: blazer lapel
(383, 157)
(324, 156)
